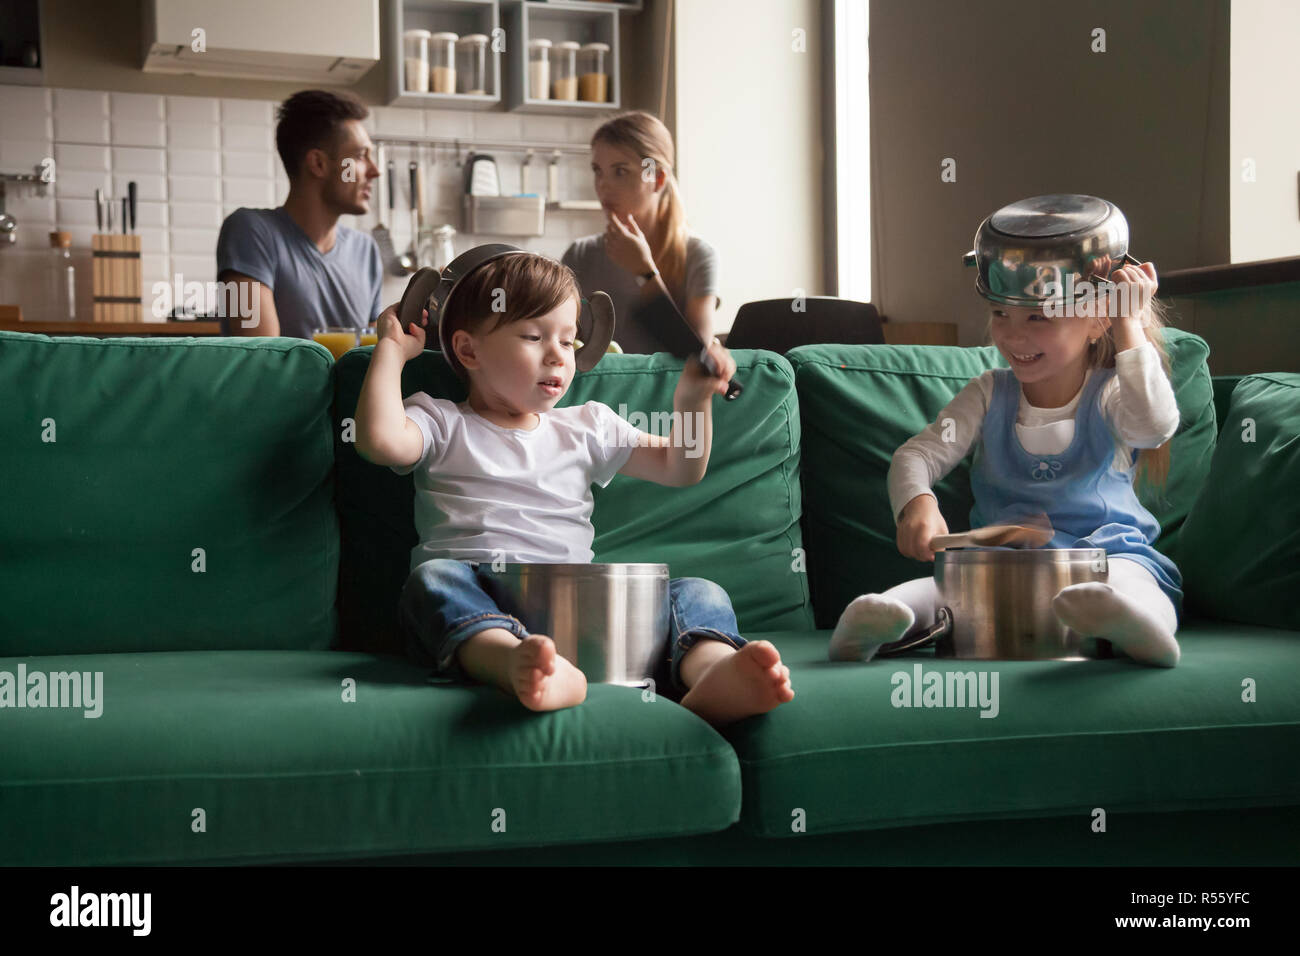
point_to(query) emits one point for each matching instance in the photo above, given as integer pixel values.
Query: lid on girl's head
(1042, 248)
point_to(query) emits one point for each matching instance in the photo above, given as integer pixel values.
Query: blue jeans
(446, 602)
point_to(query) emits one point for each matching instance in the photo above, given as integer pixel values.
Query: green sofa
(189, 519)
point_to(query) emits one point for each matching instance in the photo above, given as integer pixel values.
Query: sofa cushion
(738, 527)
(1067, 737)
(123, 457)
(284, 767)
(1242, 539)
(858, 403)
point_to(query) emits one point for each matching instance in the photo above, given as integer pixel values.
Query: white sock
(1099, 610)
(868, 622)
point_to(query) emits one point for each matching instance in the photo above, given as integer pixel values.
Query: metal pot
(611, 620)
(1062, 238)
(996, 604)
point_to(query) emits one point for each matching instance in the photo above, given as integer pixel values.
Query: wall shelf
(579, 20)
(462, 17)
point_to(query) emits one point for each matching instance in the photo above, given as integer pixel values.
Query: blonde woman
(645, 249)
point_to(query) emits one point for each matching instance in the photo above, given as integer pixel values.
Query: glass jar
(564, 71)
(442, 62)
(443, 252)
(415, 47)
(539, 69)
(60, 280)
(593, 73)
(471, 64)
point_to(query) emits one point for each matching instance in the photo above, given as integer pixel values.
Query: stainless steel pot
(996, 604)
(1062, 238)
(611, 620)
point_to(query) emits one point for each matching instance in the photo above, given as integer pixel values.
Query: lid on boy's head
(1035, 249)
(429, 289)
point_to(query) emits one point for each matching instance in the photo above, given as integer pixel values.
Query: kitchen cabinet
(580, 21)
(20, 43)
(462, 17)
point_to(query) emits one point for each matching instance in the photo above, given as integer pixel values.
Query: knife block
(117, 278)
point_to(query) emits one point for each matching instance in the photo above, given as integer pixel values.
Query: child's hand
(1141, 284)
(918, 525)
(697, 384)
(390, 328)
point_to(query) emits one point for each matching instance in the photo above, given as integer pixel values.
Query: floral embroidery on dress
(1045, 470)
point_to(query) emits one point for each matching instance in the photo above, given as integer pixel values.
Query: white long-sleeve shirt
(1138, 403)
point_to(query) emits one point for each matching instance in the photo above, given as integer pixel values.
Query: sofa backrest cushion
(738, 527)
(858, 403)
(165, 494)
(1241, 543)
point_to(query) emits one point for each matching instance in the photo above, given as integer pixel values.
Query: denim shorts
(445, 602)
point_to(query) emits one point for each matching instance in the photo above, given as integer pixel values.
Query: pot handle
(942, 625)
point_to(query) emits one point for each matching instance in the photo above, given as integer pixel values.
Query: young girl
(507, 475)
(1084, 407)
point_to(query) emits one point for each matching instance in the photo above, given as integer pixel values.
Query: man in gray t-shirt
(596, 272)
(311, 289)
(306, 271)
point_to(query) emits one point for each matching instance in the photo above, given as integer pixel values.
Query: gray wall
(1012, 91)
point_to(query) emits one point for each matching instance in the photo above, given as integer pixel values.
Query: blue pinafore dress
(1090, 502)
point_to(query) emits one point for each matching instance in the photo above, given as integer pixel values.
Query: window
(852, 152)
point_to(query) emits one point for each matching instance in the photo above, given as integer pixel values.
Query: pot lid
(1059, 214)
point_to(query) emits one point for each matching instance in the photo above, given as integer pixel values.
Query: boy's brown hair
(518, 286)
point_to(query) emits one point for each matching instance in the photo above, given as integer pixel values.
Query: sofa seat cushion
(166, 494)
(858, 403)
(739, 527)
(1242, 538)
(1068, 737)
(284, 768)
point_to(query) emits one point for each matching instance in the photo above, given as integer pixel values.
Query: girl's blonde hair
(643, 134)
(1152, 463)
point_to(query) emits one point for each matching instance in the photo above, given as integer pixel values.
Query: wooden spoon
(995, 535)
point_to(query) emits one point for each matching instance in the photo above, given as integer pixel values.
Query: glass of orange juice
(338, 339)
(370, 336)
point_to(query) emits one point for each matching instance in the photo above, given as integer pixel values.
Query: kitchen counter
(174, 327)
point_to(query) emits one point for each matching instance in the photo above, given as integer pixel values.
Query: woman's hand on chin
(627, 246)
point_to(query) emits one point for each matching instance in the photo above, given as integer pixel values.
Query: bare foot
(751, 681)
(542, 679)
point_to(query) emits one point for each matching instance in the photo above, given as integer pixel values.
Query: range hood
(305, 41)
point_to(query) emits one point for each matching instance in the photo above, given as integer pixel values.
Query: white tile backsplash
(81, 159)
(18, 155)
(193, 136)
(251, 112)
(196, 215)
(138, 133)
(254, 165)
(145, 107)
(193, 109)
(258, 139)
(130, 159)
(195, 188)
(194, 162)
(197, 159)
(75, 185)
(194, 241)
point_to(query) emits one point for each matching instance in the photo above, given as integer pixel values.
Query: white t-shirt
(486, 493)
(1138, 402)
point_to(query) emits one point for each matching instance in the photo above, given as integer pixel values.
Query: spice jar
(471, 64)
(442, 62)
(415, 46)
(593, 74)
(564, 71)
(539, 69)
